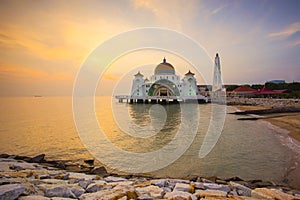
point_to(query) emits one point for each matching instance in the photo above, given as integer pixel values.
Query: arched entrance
(163, 87)
(163, 91)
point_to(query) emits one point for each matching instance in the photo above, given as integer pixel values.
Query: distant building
(243, 91)
(277, 81)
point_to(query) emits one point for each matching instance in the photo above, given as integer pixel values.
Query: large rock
(210, 193)
(52, 181)
(81, 176)
(179, 195)
(38, 158)
(121, 183)
(4, 181)
(241, 189)
(214, 186)
(22, 166)
(159, 182)
(145, 197)
(84, 184)
(11, 191)
(114, 179)
(142, 184)
(95, 187)
(184, 187)
(271, 194)
(198, 185)
(34, 197)
(115, 193)
(13, 174)
(99, 171)
(153, 191)
(5, 166)
(69, 191)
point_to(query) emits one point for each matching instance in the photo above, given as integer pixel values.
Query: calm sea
(248, 149)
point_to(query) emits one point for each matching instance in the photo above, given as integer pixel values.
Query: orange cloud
(13, 71)
(110, 77)
(287, 31)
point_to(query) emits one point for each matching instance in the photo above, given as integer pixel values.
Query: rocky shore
(265, 102)
(36, 179)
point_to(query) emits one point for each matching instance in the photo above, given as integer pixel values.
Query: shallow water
(248, 149)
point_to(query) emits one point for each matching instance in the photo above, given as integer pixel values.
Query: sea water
(248, 149)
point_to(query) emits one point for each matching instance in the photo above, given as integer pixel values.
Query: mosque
(165, 86)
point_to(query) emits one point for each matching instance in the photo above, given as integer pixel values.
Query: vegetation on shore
(293, 89)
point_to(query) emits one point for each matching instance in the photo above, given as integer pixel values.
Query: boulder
(89, 162)
(210, 193)
(38, 158)
(142, 184)
(114, 179)
(198, 185)
(178, 195)
(81, 176)
(5, 166)
(4, 181)
(145, 197)
(95, 187)
(68, 191)
(240, 189)
(99, 170)
(183, 187)
(214, 186)
(84, 184)
(22, 166)
(4, 155)
(34, 197)
(152, 190)
(235, 178)
(11, 191)
(159, 182)
(111, 194)
(123, 183)
(266, 193)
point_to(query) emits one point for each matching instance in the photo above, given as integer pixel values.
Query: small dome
(164, 68)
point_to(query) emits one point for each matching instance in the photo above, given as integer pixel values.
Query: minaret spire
(217, 82)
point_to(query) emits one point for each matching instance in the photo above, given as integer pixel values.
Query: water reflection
(162, 123)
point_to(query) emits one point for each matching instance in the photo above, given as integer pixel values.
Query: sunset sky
(43, 43)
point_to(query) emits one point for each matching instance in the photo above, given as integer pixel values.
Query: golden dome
(164, 68)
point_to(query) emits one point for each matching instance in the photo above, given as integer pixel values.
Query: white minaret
(217, 84)
(137, 89)
(189, 89)
(218, 91)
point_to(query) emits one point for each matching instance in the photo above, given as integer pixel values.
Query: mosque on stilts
(166, 87)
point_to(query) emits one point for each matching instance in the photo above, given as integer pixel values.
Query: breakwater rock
(34, 181)
(267, 102)
(290, 109)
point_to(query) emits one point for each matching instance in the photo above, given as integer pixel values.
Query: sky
(44, 43)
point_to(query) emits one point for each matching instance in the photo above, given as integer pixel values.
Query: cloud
(110, 77)
(295, 43)
(217, 10)
(15, 71)
(179, 13)
(287, 31)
